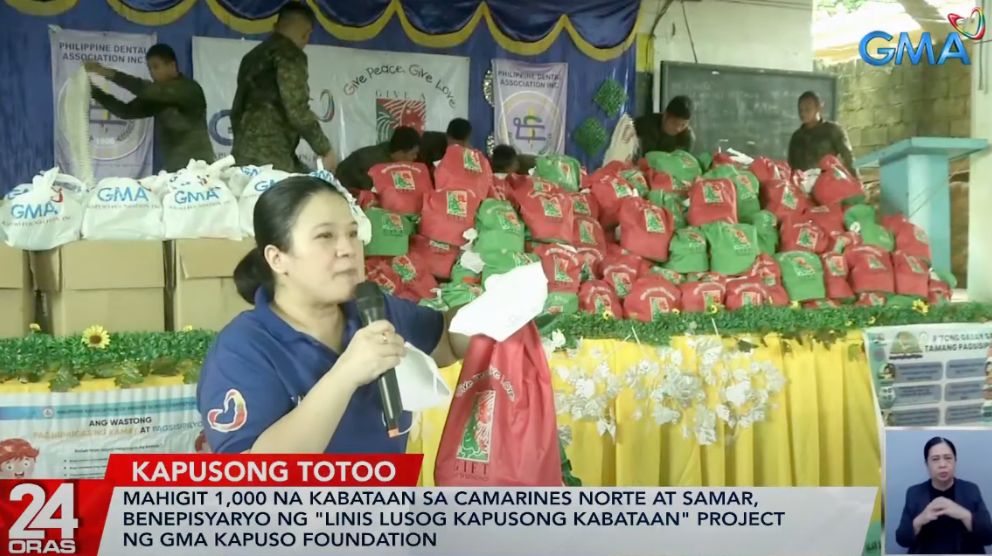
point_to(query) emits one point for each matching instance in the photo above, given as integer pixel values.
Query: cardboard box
(16, 294)
(201, 282)
(119, 285)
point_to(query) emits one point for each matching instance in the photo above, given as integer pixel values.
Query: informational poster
(71, 435)
(119, 147)
(932, 374)
(359, 96)
(530, 104)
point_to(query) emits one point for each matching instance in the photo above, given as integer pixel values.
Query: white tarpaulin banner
(530, 104)
(360, 96)
(120, 148)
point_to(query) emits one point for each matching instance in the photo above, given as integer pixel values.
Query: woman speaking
(296, 374)
(944, 515)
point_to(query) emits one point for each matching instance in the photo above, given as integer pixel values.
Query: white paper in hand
(510, 301)
(420, 383)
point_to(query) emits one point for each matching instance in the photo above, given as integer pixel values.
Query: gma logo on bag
(875, 48)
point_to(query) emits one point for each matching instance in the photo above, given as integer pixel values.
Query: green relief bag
(681, 165)
(747, 187)
(460, 274)
(733, 247)
(670, 202)
(501, 262)
(560, 169)
(457, 294)
(862, 214)
(390, 233)
(499, 227)
(802, 275)
(877, 235)
(687, 251)
(767, 226)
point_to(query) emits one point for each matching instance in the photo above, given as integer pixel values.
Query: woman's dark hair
(810, 95)
(935, 441)
(275, 215)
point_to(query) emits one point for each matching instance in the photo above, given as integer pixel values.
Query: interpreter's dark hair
(459, 129)
(161, 51)
(295, 9)
(810, 95)
(680, 107)
(935, 441)
(404, 139)
(275, 215)
(502, 159)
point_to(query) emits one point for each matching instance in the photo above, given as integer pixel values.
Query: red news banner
(69, 516)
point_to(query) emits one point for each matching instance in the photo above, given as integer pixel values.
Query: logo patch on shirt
(234, 405)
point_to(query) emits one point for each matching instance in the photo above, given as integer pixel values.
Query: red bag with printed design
(803, 236)
(466, 169)
(651, 297)
(366, 198)
(830, 218)
(821, 304)
(767, 270)
(501, 189)
(870, 299)
(437, 257)
(698, 297)
(621, 271)
(835, 184)
(840, 243)
(380, 271)
(584, 204)
(910, 238)
(589, 233)
(712, 200)
(912, 275)
(416, 281)
(561, 266)
(940, 291)
(745, 291)
(783, 199)
(501, 429)
(401, 186)
(448, 214)
(870, 269)
(599, 297)
(835, 276)
(548, 216)
(645, 229)
(590, 263)
(608, 189)
(768, 170)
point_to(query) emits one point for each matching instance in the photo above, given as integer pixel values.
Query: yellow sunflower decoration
(96, 337)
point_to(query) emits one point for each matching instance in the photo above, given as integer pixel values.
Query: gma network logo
(970, 28)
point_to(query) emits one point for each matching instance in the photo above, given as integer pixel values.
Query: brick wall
(881, 105)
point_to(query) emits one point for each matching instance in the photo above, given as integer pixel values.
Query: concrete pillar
(980, 182)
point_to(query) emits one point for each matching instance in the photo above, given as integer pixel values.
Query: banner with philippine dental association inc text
(530, 102)
(358, 505)
(930, 375)
(359, 96)
(70, 435)
(119, 147)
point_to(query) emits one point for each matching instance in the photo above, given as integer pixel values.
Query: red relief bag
(608, 189)
(645, 229)
(417, 281)
(745, 292)
(698, 297)
(598, 297)
(463, 168)
(501, 189)
(870, 270)
(584, 204)
(401, 186)
(830, 218)
(835, 276)
(651, 297)
(436, 257)
(783, 199)
(768, 170)
(803, 236)
(869, 299)
(767, 270)
(380, 271)
(549, 216)
(621, 271)
(447, 214)
(589, 233)
(366, 198)
(940, 291)
(712, 200)
(590, 263)
(561, 266)
(910, 238)
(840, 243)
(912, 275)
(820, 304)
(501, 428)
(835, 184)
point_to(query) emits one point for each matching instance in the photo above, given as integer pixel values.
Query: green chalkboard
(751, 110)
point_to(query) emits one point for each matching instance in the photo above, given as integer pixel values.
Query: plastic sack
(123, 208)
(42, 214)
(265, 178)
(198, 204)
(501, 428)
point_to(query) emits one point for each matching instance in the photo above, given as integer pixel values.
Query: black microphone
(372, 306)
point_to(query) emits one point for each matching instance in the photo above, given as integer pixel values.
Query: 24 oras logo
(29, 534)
(970, 28)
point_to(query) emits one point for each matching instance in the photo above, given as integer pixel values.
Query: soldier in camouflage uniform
(174, 100)
(271, 110)
(817, 137)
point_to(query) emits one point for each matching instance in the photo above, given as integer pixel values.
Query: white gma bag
(265, 178)
(124, 208)
(44, 214)
(198, 204)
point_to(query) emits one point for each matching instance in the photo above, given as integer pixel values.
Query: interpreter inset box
(938, 484)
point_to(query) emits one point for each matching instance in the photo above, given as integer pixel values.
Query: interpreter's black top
(945, 535)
